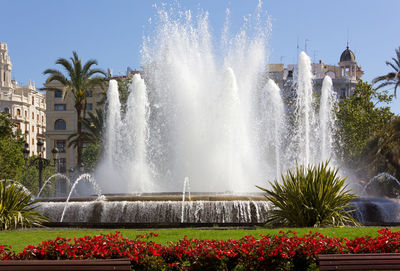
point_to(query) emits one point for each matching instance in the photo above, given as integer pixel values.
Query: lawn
(19, 239)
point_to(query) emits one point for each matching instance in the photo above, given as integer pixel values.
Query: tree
(11, 157)
(11, 146)
(391, 78)
(90, 157)
(6, 125)
(360, 117)
(93, 133)
(28, 177)
(78, 81)
(382, 151)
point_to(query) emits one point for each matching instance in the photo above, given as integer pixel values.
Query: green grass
(19, 239)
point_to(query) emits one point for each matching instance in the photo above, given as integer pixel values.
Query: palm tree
(79, 79)
(392, 78)
(94, 129)
(382, 151)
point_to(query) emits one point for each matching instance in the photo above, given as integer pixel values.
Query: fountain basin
(152, 210)
(166, 196)
(377, 211)
(161, 209)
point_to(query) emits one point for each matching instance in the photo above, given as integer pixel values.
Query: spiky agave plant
(310, 196)
(17, 207)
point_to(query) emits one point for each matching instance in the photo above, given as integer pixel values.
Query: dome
(347, 55)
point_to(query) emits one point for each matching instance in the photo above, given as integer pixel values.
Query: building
(62, 123)
(344, 76)
(25, 104)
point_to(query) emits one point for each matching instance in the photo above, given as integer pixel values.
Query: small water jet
(86, 177)
(68, 181)
(186, 186)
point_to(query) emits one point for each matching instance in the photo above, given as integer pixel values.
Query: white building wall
(25, 104)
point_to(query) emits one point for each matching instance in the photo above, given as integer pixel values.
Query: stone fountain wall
(165, 212)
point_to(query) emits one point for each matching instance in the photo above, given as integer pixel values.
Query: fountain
(67, 180)
(207, 112)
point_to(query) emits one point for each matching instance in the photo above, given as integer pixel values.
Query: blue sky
(38, 32)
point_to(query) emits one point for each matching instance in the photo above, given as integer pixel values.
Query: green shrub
(310, 197)
(16, 207)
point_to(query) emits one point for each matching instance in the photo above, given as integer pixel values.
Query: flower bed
(268, 252)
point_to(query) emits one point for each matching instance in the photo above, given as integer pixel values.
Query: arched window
(18, 112)
(60, 124)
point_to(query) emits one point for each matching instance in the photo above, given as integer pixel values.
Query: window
(33, 100)
(33, 142)
(7, 110)
(60, 145)
(60, 124)
(37, 117)
(26, 114)
(42, 119)
(58, 94)
(89, 106)
(33, 129)
(18, 112)
(60, 107)
(89, 93)
(33, 116)
(18, 126)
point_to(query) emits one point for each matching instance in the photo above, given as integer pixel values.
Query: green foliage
(29, 177)
(94, 129)
(359, 118)
(90, 157)
(6, 125)
(123, 89)
(16, 207)
(392, 78)
(11, 157)
(11, 146)
(310, 197)
(382, 151)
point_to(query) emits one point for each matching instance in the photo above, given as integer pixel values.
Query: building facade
(25, 104)
(62, 123)
(344, 76)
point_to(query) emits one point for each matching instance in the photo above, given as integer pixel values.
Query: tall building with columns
(25, 104)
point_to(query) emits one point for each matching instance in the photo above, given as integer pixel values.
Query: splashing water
(136, 120)
(272, 105)
(204, 112)
(305, 111)
(186, 186)
(21, 186)
(86, 177)
(68, 181)
(327, 119)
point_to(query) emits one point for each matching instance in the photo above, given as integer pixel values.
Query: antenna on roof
(315, 54)
(347, 38)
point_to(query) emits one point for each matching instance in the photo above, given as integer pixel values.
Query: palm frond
(308, 197)
(17, 207)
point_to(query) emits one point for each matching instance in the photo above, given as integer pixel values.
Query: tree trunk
(79, 144)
